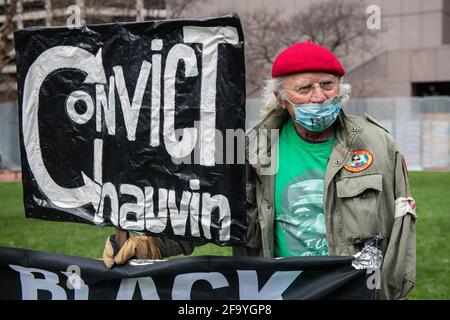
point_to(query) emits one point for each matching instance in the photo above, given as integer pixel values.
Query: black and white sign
(135, 125)
(32, 275)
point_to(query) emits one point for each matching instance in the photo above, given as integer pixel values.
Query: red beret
(306, 57)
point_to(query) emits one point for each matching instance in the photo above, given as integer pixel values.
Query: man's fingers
(141, 247)
(108, 254)
(126, 252)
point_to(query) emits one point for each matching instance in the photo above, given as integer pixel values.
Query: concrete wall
(414, 43)
(446, 26)
(398, 69)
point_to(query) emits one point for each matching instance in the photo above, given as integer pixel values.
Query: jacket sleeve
(170, 247)
(253, 235)
(399, 266)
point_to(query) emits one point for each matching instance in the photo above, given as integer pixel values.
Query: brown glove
(140, 247)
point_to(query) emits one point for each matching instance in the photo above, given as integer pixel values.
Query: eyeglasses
(326, 85)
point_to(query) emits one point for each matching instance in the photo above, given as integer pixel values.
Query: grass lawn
(75, 239)
(431, 191)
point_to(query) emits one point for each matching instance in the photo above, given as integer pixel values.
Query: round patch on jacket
(360, 161)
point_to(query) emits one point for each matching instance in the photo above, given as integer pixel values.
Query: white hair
(268, 89)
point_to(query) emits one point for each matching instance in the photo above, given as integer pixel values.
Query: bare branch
(7, 53)
(181, 8)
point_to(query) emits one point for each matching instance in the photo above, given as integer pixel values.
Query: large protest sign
(135, 125)
(26, 274)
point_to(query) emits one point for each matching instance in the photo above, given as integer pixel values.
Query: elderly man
(340, 180)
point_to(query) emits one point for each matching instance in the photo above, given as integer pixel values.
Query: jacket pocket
(253, 227)
(359, 205)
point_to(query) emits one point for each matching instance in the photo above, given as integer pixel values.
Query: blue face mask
(318, 116)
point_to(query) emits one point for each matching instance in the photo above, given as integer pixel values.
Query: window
(424, 89)
(29, 6)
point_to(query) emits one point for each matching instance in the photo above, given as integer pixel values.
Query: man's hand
(140, 247)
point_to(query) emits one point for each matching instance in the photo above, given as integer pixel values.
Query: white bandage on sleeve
(404, 206)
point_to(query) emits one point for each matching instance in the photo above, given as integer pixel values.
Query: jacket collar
(347, 130)
(273, 120)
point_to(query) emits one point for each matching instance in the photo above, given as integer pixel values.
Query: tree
(7, 53)
(338, 25)
(181, 8)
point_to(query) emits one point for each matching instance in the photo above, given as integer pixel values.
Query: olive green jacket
(373, 202)
(357, 206)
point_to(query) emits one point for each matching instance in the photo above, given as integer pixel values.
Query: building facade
(414, 52)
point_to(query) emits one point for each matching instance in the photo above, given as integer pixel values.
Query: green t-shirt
(299, 217)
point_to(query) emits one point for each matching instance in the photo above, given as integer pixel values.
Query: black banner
(26, 274)
(135, 125)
